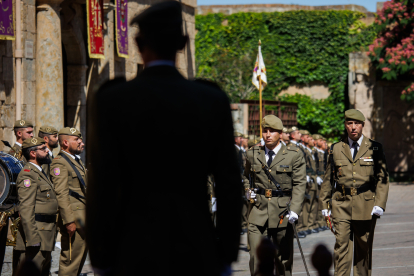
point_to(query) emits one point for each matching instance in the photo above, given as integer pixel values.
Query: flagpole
(260, 104)
(260, 99)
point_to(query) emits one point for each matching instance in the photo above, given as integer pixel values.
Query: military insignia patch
(22, 122)
(34, 141)
(27, 183)
(48, 129)
(26, 170)
(56, 171)
(72, 130)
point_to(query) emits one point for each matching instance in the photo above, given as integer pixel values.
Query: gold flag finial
(260, 42)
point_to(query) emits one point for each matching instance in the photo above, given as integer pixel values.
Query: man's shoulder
(374, 143)
(26, 173)
(58, 160)
(292, 147)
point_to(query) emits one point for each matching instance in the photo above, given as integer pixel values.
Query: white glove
(319, 180)
(307, 178)
(377, 211)
(213, 204)
(250, 194)
(326, 213)
(292, 216)
(37, 244)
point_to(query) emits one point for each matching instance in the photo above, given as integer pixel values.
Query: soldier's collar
(17, 143)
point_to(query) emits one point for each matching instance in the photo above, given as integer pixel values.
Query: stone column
(49, 72)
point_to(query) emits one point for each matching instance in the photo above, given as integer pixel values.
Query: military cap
(353, 114)
(316, 137)
(48, 130)
(32, 142)
(251, 143)
(273, 122)
(304, 132)
(285, 130)
(22, 124)
(245, 136)
(292, 129)
(70, 131)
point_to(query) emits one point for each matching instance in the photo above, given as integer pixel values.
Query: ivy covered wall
(299, 47)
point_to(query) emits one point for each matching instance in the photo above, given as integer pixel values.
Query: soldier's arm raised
(298, 182)
(26, 189)
(381, 193)
(59, 177)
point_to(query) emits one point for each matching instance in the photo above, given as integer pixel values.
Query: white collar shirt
(37, 166)
(20, 145)
(50, 153)
(359, 142)
(275, 150)
(294, 142)
(321, 151)
(70, 155)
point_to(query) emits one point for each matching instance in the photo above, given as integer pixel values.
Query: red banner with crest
(94, 10)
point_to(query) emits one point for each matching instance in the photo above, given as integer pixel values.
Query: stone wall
(7, 75)
(393, 125)
(65, 104)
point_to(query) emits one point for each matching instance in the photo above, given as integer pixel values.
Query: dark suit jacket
(148, 208)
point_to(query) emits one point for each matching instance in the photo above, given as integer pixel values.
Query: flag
(7, 20)
(95, 19)
(121, 20)
(259, 70)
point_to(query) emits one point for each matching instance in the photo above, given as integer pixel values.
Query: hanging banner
(121, 19)
(6, 20)
(94, 10)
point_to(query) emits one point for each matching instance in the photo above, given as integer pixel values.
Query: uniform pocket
(44, 194)
(341, 167)
(367, 167)
(285, 173)
(256, 168)
(283, 201)
(369, 195)
(44, 226)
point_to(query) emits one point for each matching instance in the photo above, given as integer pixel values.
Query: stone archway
(75, 64)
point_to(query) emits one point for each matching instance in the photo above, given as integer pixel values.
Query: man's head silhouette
(160, 31)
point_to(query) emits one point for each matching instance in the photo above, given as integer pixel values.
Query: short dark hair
(43, 135)
(16, 129)
(26, 152)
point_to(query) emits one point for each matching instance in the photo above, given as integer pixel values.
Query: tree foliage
(393, 51)
(299, 47)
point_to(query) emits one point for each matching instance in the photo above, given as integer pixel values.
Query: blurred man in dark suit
(147, 209)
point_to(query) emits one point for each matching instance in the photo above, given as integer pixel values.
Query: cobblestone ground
(393, 244)
(393, 252)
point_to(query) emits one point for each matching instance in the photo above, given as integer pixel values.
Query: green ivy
(299, 47)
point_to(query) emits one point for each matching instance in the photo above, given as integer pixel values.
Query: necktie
(355, 146)
(45, 174)
(78, 160)
(270, 153)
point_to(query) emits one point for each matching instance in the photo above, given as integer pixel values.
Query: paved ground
(393, 252)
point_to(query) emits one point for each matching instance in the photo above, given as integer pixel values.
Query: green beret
(273, 122)
(32, 142)
(316, 137)
(22, 124)
(304, 132)
(353, 114)
(48, 130)
(70, 131)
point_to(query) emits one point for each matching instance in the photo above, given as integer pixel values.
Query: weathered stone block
(9, 115)
(8, 68)
(28, 69)
(10, 92)
(31, 18)
(30, 2)
(29, 92)
(29, 112)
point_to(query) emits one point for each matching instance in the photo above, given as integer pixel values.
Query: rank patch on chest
(56, 171)
(27, 183)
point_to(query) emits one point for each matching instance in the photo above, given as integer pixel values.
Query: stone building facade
(57, 73)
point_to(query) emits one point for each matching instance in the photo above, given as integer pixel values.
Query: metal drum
(10, 168)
